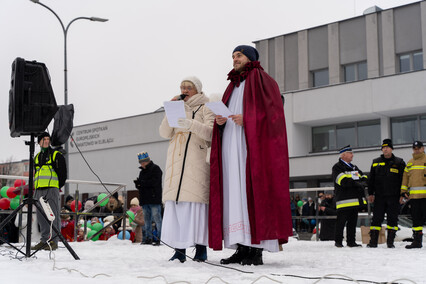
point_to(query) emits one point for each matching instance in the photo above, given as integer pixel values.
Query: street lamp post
(65, 31)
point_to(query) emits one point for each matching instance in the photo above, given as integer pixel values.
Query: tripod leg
(58, 233)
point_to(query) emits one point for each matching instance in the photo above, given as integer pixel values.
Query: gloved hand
(185, 123)
(137, 183)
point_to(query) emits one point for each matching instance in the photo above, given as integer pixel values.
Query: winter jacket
(414, 179)
(386, 176)
(348, 186)
(137, 224)
(187, 172)
(149, 184)
(328, 226)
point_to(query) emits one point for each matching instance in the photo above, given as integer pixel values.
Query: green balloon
(97, 226)
(14, 203)
(3, 191)
(102, 196)
(91, 233)
(89, 225)
(131, 216)
(300, 203)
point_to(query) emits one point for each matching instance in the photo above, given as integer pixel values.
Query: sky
(134, 62)
(300, 262)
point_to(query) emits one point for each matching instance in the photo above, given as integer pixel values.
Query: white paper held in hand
(174, 111)
(219, 108)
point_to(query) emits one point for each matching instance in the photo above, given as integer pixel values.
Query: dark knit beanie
(41, 136)
(387, 143)
(248, 51)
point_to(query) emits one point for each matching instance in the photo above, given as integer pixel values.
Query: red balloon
(73, 206)
(19, 182)
(10, 192)
(4, 203)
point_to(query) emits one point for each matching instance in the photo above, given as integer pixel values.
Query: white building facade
(356, 82)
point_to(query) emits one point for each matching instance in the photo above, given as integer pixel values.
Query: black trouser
(418, 211)
(348, 217)
(390, 206)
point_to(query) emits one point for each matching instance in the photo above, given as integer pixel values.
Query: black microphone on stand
(181, 97)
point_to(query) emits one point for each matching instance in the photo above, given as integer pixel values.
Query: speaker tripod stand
(30, 201)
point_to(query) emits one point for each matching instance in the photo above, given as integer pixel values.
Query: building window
(356, 134)
(323, 138)
(355, 71)
(369, 133)
(320, 78)
(404, 129)
(411, 62)
(407, 129)
(345, 134)
(423, 127)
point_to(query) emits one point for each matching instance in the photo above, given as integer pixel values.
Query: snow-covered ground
(118, 261)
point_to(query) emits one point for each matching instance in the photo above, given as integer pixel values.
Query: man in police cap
(50, 176)
(413, 188)
(384, 186)
(349, 189)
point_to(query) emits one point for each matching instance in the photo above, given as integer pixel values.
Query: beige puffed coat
(187, 172)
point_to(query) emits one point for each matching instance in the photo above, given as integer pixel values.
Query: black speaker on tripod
(32, 104)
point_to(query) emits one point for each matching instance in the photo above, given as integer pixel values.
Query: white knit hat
(197, 83)
(134, 201)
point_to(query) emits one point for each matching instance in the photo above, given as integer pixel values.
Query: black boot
(254, 257)
(241, 253)
(180, 254)
(417, 242)
(200, 253)
(374, 237)
(390, 238)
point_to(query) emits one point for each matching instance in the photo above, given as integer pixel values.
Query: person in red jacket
(249, 168)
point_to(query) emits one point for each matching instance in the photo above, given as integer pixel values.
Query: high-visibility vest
(45, 176)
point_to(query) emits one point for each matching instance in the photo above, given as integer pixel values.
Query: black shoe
(339, 245)
(241, 253)
(353, 245)
(147, 242)
(254, 257)
(200, 253)
(156, 243)
(180, 254)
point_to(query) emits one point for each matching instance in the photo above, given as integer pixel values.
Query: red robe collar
(267, 168)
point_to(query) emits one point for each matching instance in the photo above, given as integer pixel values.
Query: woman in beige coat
(186, 184)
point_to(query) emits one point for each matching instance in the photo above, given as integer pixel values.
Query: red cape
(267, 168)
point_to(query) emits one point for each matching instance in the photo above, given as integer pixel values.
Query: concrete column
(388, 41)
(423, 22)
(385, 127)
(334, 69)
(303, 60)
(372, 45)
(279, 62)
(262, 48)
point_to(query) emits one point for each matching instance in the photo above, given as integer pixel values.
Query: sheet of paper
(219, 108)
(174, 111)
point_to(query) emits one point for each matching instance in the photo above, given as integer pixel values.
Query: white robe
(236, 224)
(185, 224)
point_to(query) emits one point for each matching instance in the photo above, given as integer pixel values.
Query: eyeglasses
(189, 88)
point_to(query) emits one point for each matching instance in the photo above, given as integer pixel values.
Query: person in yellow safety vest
(384, 185)
(413, 188)
(50, 175)
(349, 182)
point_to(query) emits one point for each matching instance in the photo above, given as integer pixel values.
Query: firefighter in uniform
(384, 184)
(50, 176)
(350, 197)
(413, 188)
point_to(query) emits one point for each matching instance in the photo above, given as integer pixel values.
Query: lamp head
(95, 19)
